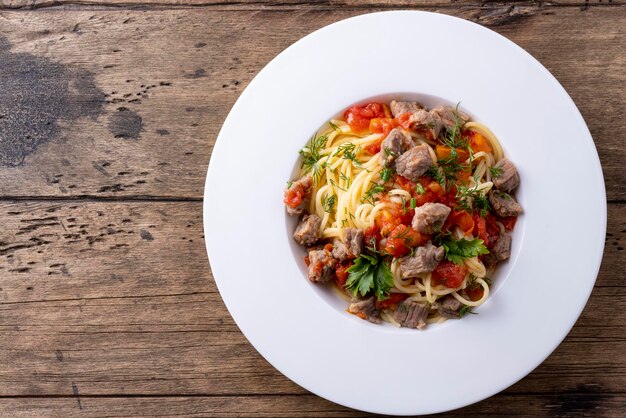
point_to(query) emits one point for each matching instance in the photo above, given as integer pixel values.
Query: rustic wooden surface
(108, 115)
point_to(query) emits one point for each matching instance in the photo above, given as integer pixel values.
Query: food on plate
(405, 210)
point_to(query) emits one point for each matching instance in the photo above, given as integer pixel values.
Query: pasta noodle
(354, 186)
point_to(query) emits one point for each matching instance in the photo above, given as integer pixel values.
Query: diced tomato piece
(449, 274)
(293, 196)
(477, 141)
(359, 117)
(474, 293)
(328, 247)
(393, 299)
(443, 152)
(382, 125)
(404, 120)
(508, 222)
(480, 228)
(372, 237)
(396, 247)
(406, 184)
(493, 232)
(374, 147)
(462, 219)
(341, 274)
(401, 240)
(307, 260)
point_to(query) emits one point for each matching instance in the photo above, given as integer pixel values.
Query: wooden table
(108, 115)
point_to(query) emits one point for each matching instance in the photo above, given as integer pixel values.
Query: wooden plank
(117, 298)
(295, 4)
(566, 404)
(137, 119)
(58, 251)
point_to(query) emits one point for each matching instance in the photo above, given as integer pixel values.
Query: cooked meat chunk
(502, 248)
(308, 230)
(508, 179)
(398, 108)
(424, 260)
(365, 309)
(298, 191)
(322, 265)
(430, 217)
(354, 239)
(425, 121)
(411, 314)
(415, 162)
(504, 204)
(449, 307)
(340, 250)
(489, 260)
(351, 246)
(449, 116)
(394, 145)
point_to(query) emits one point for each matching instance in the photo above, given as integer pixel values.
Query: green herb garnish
(496, 172)
(370, 273)
(311, 155)
(328, 203)
(466, 310)
(458, 250)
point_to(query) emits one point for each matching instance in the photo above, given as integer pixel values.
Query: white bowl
(302, 329)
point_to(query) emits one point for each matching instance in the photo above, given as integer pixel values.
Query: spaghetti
(404, 206)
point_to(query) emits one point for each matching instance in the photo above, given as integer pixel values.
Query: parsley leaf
(370, 273)
(457, 250)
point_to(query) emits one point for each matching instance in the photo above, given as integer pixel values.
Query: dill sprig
(496, 172)
(311, 155)
(471, 199)
(374, 189)
(466, 310)
(328, 203)
(333, 126)
(349, 151)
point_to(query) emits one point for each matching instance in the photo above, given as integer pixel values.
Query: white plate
(557, 246)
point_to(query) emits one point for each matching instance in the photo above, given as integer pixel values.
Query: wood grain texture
(598, 405)
(160, 85)
(95, 300)
(107, 303)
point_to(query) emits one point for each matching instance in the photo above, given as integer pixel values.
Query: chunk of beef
(425, 121)
(450, 116)
(411, 314)
(365, 309)
(502, 248)
(351, 246)
(430, 217)
(298, 190)
(395, 144)
(504, 204)
(508, 179)
(449, 307)
(424, 260)
(308, 230)
(398, 108)
(414, 163)
(321, 265)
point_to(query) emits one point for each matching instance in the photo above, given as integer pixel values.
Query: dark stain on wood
(162, 132)
(75, 388)
(199, 73)
(59, 355)
(145, 235)
(36, 94)
(502, 15)
(125, 124)
(581, 401)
